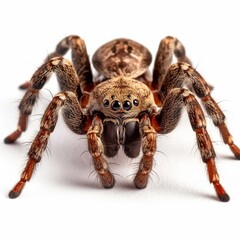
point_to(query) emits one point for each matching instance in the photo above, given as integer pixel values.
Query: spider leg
(149, 137)
(181, 74)
(47, 126)
(96, 150)
(219, 121)
(80, 60)
(168, 47)
(166, 120)
(68, 81)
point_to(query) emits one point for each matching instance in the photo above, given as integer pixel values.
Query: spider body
(119, 102)
(124, 105)
(122, 57)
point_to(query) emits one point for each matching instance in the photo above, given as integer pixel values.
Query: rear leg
(168, 47)
(80, 60)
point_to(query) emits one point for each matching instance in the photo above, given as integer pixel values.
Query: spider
(122, 106)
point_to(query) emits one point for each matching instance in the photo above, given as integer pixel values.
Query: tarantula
(123, 106)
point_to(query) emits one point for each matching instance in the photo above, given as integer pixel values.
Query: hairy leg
(39, 144)
(96, 150)
(168, 47)
(80, 60)
(166, 120)
(69, 81)
(182, 74)
(149, 137)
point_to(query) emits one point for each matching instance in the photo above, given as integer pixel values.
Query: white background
(64, 199)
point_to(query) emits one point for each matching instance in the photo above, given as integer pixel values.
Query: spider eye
(135, 102)
(116, 105)
(127, 105)
(106, 103)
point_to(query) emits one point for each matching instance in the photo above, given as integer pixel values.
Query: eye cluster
(117, 105)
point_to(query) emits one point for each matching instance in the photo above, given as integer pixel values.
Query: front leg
(96, 150)
(47, 126)
(149, 143)
(166, 120)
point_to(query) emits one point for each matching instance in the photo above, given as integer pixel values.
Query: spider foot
(141, 180)
(236, 150)
(16, 191)
(222, 195)
(107, 179)
(24, 86)
(13, 194)
(12, 137)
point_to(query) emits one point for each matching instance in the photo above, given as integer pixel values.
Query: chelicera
(124, 105)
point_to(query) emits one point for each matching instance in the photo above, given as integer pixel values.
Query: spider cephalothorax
(121, 97)
(123, 106)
